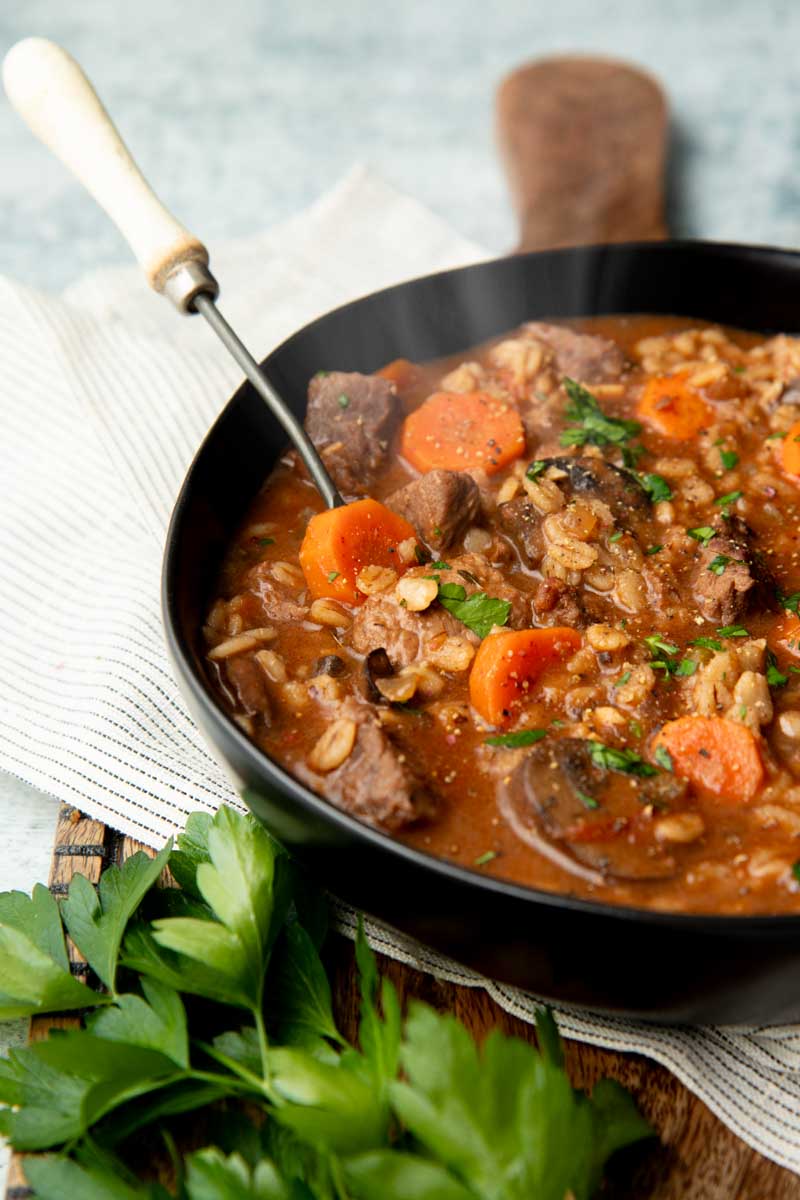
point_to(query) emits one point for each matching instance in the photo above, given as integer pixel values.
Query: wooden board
(698, 1158)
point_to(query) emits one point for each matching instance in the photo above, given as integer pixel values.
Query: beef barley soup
(556, 635)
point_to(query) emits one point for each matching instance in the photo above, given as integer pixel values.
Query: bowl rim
(279, 777)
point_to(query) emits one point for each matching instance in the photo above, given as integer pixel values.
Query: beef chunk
(382, 623)
(596, 479)
(556, 603)
(582, 356)
(276, 603)
(351, 417)
(523, 524)
(725, 597)
(249, 686)
(440, 505)
(549, 799)
(375, 782)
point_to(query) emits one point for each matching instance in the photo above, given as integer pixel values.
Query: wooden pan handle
(584, 144)
(56, 100)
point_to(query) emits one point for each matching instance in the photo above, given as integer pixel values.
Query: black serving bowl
(661, 966)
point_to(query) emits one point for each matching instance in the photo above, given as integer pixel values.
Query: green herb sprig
(593, 427)
(215, 991)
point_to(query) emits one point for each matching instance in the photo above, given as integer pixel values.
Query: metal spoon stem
(205, 305)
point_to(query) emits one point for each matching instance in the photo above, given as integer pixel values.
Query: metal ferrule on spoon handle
(55, 99)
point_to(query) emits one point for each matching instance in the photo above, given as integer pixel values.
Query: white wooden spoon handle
(56, 100)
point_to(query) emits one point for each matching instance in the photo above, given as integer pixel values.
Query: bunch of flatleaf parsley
(212, 999)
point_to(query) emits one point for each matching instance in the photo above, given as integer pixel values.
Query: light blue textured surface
(241, 112)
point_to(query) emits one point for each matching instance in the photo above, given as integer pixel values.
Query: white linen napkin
(105, 396)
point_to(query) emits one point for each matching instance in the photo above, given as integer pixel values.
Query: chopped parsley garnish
(656, 645)
(796, 871)
(718, 564)
(485, 858)
(623, 679)
(635, 728)
(775, 677)
(730, 459)
(790, 603)
(631, 455)
(420, 555)
(522, 737)
(440, 566)
(616, 536)
(663, 758)
(732, 631)
(707, 643)
(266, 541)
(771, 437)
(653, 549)
(586, 800)
(536, 468)
(594, 428)
(664, 657)
(729, 498)
(702, 533)
(656, 487)
(613, 759)
(343, 401)
(437, 531)
(333, 575)
(478, 612)
(321, 374)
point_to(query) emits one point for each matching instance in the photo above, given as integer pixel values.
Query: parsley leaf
(657, 645)
(702, 533)
(35, 975)
(718, 564)
(732, 631)
(456, 1103)
(96, 920)
(707, 643)
(521, 737)
(775, 677)
(653, 549)
(613, 759)
(586, 800)
(478, 612)
(595, 428)
(730, 498)
(656, 487)
(343, 401)
(729, 458)
(237, 885)
(663, 758)
(536, 468)
(486, 857)
(299, 992)
(790, 602)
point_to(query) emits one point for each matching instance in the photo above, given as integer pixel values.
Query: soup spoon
(53, 96)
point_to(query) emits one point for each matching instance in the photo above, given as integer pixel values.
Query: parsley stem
(263, 1044)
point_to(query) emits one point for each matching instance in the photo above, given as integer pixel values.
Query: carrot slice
(340, 541)
(790, 450)
(719, 757)
(507, 664)
(673, 408)
(459, 430)
(399, 371)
